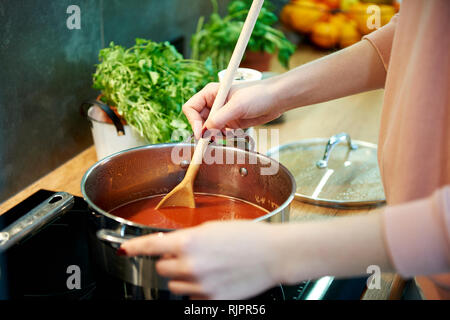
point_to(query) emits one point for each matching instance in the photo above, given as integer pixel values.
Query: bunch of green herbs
(217, 38)
(148, 84)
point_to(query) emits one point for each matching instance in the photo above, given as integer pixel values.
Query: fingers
(193, 289)
(205, 113)
(176, 268)
(195, 119)
(154, 244)
(229, 113)
(193, 108)
(193, 297)
(244, 123)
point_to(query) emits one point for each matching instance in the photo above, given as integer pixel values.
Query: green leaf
(177, 123)
(154, 76)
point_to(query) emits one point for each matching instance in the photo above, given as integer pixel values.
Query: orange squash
(387, 12)
(358, 12)
(305, 13)
(325, 34)
(332, 4)
(286, 13)
(338, 20)
(349, 35)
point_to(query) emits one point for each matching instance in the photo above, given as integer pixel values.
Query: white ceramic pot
(107, 140)
(243, 75)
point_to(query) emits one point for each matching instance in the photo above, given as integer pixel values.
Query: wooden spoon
(183, 194)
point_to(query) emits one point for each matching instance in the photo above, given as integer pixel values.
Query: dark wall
(46, 69)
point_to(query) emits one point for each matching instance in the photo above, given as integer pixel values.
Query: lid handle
(332, 142)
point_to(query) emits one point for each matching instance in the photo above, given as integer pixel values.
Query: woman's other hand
(216, 260)
(247, 105)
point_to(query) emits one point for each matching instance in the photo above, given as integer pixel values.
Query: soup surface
(208, 207)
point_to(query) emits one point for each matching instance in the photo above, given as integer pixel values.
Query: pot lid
(331, 173)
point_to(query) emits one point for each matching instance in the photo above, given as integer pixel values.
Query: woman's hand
(239, 259)
(216, 260)
(247, 105)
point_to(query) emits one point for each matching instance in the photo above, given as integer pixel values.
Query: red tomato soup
(208, 207)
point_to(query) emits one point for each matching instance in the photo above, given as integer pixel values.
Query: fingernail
(121, 252)
(203, 132)
(211, 137)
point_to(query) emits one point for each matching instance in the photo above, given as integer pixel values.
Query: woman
(410, 58)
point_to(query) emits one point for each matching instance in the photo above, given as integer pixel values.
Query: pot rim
(93, 206)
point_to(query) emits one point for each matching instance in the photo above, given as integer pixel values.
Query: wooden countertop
(358, 115)
(66, 178)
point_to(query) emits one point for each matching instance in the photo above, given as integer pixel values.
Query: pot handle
(112, 238)
(33, 221)
(109, 112)
(333, 142)
(249, 142)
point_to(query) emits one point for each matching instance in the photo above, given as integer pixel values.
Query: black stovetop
(40, 266)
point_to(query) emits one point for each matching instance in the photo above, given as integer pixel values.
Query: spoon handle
(226, 82)
(238, 53)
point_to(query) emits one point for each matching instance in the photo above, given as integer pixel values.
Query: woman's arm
(412, 238)
(238, 259)
(341, 247)
(358, 68)
(349, 71)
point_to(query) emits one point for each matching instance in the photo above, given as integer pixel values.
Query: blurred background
(47, 68)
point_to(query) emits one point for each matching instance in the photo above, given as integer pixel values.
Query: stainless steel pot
(153, 170)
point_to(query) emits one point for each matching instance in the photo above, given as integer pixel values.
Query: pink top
(414, 142)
